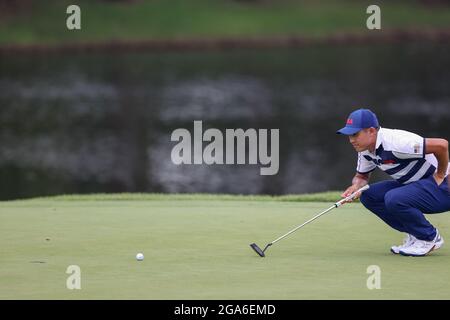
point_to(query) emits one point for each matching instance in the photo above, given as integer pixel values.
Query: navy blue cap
(358, 120)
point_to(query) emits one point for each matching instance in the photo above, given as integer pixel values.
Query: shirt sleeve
(364, 166)
(407, 145)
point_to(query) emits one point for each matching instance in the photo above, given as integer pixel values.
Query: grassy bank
(330, 196)
(45, 21)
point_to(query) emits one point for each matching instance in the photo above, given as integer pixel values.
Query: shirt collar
(378, 142)
(379, 138)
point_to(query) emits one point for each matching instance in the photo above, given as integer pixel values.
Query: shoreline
(233, 43)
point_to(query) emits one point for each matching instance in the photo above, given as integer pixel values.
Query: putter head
(257, 250)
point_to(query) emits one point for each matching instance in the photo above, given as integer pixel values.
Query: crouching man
(418, 167)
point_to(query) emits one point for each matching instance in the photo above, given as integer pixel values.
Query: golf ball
(139, 257)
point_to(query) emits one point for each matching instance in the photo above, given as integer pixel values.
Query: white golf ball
(139, 257)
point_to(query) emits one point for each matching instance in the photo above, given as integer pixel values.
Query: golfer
(420, 185)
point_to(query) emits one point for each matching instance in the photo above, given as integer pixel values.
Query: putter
(260, 252)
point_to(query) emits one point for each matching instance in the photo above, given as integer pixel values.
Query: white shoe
(421, 248)
(409, 240)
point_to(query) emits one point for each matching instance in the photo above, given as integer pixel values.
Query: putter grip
(362, 189)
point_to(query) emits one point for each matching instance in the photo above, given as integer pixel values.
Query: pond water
(82, 123)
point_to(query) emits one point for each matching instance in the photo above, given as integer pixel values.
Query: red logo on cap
(349, 121)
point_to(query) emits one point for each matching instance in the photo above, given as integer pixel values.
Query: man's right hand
(349, 191)
(359, 181)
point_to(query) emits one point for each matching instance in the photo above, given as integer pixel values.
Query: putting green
(199, 249)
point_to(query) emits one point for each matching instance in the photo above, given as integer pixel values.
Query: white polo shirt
(399, 153)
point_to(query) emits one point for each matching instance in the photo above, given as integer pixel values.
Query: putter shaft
(336, 205)
(303, 224)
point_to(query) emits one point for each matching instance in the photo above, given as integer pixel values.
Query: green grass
(197, 248)
(163, 19)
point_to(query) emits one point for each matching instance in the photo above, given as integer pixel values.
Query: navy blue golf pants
(402, 206)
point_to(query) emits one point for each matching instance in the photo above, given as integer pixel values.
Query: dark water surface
(102, 122)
